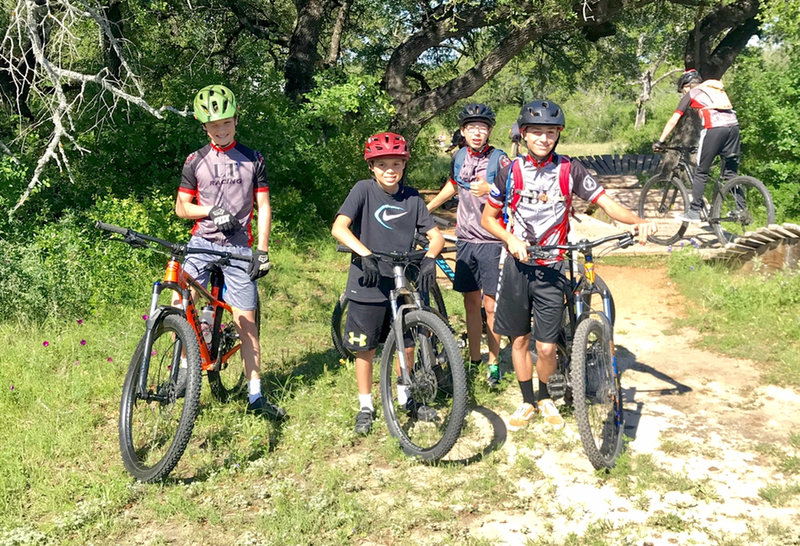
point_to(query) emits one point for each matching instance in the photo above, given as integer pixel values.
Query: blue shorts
(240, 291)
(477, 267)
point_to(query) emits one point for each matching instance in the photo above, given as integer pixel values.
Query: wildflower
(83, 342)
(669, 248)
(12, 387)
(80, 322)
(46, 343)
(691, 268)
(153, 352)
(109, 359)
(144, 317)
(77, 362)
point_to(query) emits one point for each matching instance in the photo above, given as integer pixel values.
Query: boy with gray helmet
(472, 170)
(536, 191)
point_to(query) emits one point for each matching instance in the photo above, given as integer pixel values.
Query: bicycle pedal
(557, 385)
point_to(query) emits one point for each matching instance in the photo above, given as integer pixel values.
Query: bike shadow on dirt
(626, 361)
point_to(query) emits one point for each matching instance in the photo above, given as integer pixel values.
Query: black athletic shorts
(367, 325)
(477, 267)
(523, 288)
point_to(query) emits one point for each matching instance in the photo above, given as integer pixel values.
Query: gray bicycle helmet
(688, 77)
(475, 111)
(541, 112)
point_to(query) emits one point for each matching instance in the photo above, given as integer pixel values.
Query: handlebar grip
(343, 248)
(111, 227)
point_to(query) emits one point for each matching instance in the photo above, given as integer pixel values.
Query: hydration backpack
(716, 94)
(491, 168)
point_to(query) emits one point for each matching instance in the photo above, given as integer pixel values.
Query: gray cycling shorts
(239, 291)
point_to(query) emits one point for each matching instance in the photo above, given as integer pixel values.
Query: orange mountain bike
(161, 393)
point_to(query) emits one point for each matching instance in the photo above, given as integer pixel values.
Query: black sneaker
(364, 421)
(420, 411)
(691, 215)
(262, 408)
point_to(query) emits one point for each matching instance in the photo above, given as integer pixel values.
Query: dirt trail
(698, 414)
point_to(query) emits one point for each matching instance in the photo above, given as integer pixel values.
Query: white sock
(253, 390)
(365, 401)
(402, 394)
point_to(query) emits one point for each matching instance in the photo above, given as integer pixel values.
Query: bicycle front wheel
(226, 379)
(429, 425)
(597, 394)
(661, 201)
(154, 431)
(743, 204)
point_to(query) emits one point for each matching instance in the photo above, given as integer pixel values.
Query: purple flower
(153, 352)
(46, 343)
(691, 268)
(144, 317)
(80, 321)
(110, 359)
(12, 387)
(77, 362)
(83, 342)
(669, 248)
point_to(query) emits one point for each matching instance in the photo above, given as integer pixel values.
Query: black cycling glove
(427, 274)
(659, 146)
(225, 221)
(259, 264)
(369, 270)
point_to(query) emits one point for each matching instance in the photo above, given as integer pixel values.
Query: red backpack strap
(563, 181)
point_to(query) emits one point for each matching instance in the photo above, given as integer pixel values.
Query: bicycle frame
(402, 291)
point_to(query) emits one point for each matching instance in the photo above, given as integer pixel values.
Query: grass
(755, 316)
(243, 480)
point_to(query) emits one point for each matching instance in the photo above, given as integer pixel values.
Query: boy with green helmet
(220, 184)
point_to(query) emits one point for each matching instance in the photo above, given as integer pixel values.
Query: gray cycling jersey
(228, 178)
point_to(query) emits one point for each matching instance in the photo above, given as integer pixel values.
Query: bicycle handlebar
(136, 239)
(624, 240)
(412, 256)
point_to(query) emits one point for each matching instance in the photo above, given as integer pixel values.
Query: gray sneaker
(691, 215)
(364, 421)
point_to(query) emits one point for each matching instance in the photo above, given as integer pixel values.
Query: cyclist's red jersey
(699, 100)
(227, 177)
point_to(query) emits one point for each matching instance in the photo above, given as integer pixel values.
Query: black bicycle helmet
(688, 77)
(475, 111)
(541, 112)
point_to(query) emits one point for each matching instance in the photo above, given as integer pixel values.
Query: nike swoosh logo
(388, 217)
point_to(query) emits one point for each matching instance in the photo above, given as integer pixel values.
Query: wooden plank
(609, 163)
(601, 165)
(794, 228)
(626, 163)
(769, 233)
(784, 234)
(747, 241)
(740, 248)
(760, 237)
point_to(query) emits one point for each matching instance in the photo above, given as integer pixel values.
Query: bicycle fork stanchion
(398, 315)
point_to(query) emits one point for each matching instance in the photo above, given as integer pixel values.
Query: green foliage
(766, 90)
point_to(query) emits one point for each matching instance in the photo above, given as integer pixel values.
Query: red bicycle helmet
(386, 145)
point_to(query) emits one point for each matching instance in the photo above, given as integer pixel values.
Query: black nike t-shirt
(384, 222)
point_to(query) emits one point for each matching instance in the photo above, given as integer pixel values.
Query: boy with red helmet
(536, 192)
(381, 214)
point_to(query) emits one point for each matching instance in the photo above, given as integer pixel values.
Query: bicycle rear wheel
(743, 204)
(154, 432)
(227, 379)
(339, 319)
(430, 426)
(597, 393)
(661, 201)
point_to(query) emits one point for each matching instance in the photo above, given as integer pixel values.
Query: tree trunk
(336, 33)
(302, 60)
(113, 14)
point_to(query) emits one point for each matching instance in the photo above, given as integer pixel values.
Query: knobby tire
(743, 204)
(153, 434)
(661, 200)
(596, 391)
(438, 381)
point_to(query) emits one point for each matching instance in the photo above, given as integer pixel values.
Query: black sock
(527, 391)
(543, 392)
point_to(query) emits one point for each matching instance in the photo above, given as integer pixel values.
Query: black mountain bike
(586, 373)
(742, 204)
(421, 353)
(339, 315)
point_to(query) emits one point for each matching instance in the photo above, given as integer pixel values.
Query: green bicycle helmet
(215, 102)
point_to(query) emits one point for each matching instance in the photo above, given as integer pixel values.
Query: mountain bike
(339, 315)
(161, 392)
(586, 373)
(421, 353)
(740, 205)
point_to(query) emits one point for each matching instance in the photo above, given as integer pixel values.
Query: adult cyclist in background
(472, 170)
(719, 136)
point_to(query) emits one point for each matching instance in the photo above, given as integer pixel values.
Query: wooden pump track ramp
(774, 247)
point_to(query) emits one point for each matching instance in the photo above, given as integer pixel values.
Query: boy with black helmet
(535, 194)
(719, 136)
(380, 214)
(219, 185)
(472, 170)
